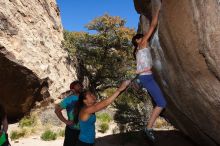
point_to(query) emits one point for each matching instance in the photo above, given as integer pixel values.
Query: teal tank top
(87, 130)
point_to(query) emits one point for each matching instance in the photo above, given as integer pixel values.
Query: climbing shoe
(149, 134)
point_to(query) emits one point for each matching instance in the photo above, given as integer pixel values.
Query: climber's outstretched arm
(151, 29)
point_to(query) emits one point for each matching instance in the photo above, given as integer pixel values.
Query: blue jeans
(152, 87)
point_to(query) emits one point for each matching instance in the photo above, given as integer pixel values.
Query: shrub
(104, 117)
(103, 127)
(132, 110)
(48, 135)
(17, 134)
(28, 121)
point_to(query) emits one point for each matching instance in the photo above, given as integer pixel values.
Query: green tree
(105, 56)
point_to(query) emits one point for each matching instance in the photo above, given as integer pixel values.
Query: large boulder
(33, 66)
(189, 70)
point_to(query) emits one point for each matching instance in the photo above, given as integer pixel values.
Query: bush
(17, 134)
(48, 135)
(103, 127)
(133, 108)
(104, 117)
(28, 121)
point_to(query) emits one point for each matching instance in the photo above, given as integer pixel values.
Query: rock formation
(189, 70)
(33, 65)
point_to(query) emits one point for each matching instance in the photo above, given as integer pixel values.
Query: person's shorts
(153, 89)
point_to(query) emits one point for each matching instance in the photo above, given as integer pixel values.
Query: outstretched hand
(124, 85)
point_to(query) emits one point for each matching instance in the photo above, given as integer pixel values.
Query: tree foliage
(105, 56)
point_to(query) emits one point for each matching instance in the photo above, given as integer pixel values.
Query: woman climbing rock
(144, 63)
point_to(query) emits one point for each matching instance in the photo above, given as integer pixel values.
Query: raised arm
(104, 103)
(151, 29)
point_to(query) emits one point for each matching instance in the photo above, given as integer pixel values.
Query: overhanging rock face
(32, 63)
(189, 33)
(20, 88)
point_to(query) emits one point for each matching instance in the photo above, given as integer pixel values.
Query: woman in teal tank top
(87, 117)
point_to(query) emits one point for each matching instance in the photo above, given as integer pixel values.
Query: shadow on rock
(164, 138)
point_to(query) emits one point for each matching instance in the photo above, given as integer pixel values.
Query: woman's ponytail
(134, 42)
(78, 106)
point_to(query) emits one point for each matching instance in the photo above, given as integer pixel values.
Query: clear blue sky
(75, 14)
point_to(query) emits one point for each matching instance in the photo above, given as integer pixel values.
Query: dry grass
(36, 123)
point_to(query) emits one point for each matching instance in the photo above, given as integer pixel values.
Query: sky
(75, 14)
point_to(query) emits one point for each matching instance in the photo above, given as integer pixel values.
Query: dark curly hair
(79, 105)
(134, 42)
(75, 83)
